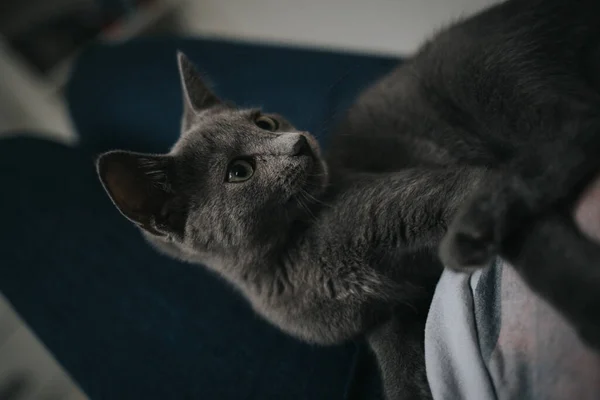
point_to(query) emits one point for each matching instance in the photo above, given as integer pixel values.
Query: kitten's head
(234, 182)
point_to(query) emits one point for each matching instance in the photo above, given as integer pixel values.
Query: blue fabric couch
(124, 321)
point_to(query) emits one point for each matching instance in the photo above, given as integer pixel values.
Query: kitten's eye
(267, 123)
(239, 171)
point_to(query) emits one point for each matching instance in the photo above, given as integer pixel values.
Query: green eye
(239, 171)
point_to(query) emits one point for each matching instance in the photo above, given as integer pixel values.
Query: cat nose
(301, 147)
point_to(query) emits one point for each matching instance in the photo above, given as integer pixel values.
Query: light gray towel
(489, 337)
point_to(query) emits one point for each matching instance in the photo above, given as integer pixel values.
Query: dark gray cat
(485, 137)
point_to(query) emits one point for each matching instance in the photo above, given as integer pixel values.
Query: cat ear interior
(140, 187)
(197, 95)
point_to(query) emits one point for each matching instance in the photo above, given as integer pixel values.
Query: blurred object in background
(47, 34)
(27, 370)
(39, 41)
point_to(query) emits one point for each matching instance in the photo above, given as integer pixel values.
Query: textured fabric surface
(455, 366)
(489, 337)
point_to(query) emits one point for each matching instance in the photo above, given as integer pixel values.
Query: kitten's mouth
(314, 177)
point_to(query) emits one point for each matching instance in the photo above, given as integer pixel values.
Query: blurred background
(41, 39)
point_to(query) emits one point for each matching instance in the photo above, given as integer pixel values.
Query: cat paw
(464, 252)
(470, 242)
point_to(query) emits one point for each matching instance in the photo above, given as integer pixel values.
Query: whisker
(317, 186)
(305, 208)
(310, 197)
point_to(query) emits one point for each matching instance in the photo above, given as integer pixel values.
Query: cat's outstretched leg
(399, 349)
(474, 235)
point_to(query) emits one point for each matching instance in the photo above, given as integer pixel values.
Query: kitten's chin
(308, 189)
(316, 176)
(168, 248)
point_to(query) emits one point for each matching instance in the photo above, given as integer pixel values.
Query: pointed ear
(196, 94)
(140, 185)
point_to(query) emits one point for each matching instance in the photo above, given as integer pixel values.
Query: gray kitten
(499, 112)
(251, 197)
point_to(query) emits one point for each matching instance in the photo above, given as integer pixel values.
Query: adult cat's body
(515, 90)
(329, 250)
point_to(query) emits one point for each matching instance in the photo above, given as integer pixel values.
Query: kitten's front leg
(398, 345)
